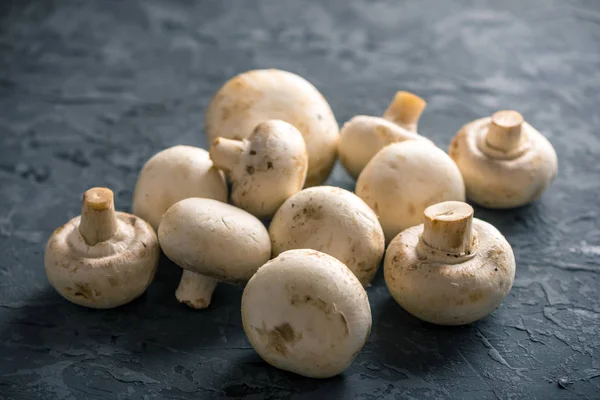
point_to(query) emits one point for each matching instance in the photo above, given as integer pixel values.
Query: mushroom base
(195, 290)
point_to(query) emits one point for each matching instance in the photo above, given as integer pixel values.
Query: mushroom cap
(450, 293)
(175, 174)
(214, 239)
(405, 178)
(259, 95)
(273, 167)
(504, 182)
(363, 136)
(108, 274)
(305, 312)
(334, 221)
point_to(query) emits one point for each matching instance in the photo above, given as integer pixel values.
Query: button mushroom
(102, 258)
(305, 312)
(175, 174)
(505, 162)
(453, 269)
(264, 169)
(405, 178)
(212, 241)
(259, 95)
(363, 136)
(334, 221)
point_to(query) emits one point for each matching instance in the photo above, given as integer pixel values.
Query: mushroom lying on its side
(256, 96)
(334, 221)
(505, 162)
(264, 169)
(175, 174)
(453, 269)
(212, 241)
(363, 136)
(405, 178)
(102, 258)
(305, 312)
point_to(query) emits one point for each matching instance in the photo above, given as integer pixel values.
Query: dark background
(91, 89)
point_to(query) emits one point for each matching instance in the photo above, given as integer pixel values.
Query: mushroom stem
(98, 218)
(405, 110)
(195, 290)
(504, 131)
(447, 227)
(224, 153)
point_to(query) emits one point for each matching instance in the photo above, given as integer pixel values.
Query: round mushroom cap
(172, 175)
(363, 136)
(405, 178)
(305, 312)
(108, 274)
(214, 239)
(259, 95)
(448, 293)
(507, 181)
(334, 221)
(273, 168)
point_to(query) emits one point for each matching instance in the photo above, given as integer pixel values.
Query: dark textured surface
(90, 89)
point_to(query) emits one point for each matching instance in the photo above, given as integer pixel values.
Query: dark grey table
(90, 89)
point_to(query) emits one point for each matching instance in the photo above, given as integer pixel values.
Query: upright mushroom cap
(214, 240)
(175, 174)
(505, 162)
(334, 221)
(102, 258)
(405, 178)
(453, 269)
(363, 136)
(264, 169)
(259, 95)
(305, 312)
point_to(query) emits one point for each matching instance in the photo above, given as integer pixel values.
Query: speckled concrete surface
(90, 89)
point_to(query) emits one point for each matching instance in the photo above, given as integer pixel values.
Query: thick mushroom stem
(447, 227)
(405, 110)
(225, 153)
(504, 131)
(195, 290)
(98, 218)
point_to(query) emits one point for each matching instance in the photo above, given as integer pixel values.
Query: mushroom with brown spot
(505, 162)
(334, 221)
(102, 258)
(256, 96)
(212, 241)
(172, 175)
(305, 312)
(451, 270)
(264, 169)
(405, 178)
(363, 136)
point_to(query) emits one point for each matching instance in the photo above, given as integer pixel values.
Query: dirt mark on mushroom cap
(279, 337)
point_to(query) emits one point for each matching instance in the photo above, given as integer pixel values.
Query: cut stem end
(225, 153)
(448, 228)
(504, 131)
(195, 290)
(405, 110)
(98, 218)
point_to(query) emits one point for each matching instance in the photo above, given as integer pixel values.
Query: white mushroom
(363, 136)
(334, 221)
(264, 169)
(259, 95)
(505, 162)
(175, 174)
(305, 312)
(453, 269)
(212, 241)
(102, 258)
(405, 178)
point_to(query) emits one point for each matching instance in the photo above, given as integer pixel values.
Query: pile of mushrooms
(304, 306)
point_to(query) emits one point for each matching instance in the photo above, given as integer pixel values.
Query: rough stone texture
(90, 89)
